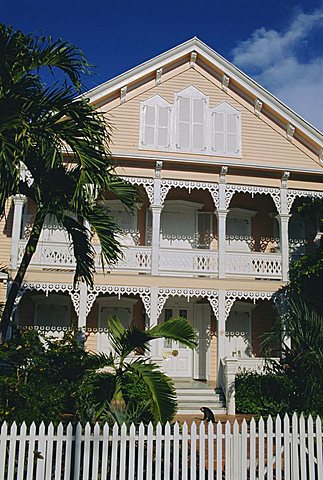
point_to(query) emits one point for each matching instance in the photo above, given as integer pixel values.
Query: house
(221, 166)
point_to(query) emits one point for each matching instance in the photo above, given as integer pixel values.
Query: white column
(19, 201)
(283, 225)
(156, 209)
(156, 345)
(81, 321)
(221, 328)
(230, 372)
(222, 216)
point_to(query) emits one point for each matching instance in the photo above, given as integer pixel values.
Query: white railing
(290, 448)
(254, 364)
(253, 264)
(175, 261)
(61, 255)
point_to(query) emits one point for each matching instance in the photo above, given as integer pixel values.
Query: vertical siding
(6, 234)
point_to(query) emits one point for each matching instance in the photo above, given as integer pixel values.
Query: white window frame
(191, 93)
(225, 108)
(157, 102)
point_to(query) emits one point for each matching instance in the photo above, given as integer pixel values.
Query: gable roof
(238, 81)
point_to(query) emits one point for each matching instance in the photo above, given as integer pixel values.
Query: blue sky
(277, 42)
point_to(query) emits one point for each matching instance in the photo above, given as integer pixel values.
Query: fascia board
(224, 65)
(208, 161)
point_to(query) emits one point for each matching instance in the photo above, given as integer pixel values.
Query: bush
(263, 394)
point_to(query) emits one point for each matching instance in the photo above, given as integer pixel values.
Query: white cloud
(273, 59)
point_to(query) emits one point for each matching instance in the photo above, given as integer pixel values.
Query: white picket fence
(288, 449)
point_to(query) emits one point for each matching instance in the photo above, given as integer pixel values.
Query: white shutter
(219, 131)
(184, 122)
(231, 133)
(163, 127)
(198, 123)
(149, 125)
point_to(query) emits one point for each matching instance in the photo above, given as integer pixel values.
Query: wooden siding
(5, 234)
(263, 142)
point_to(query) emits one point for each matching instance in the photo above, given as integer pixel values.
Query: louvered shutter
(219, 131)
(149, 125)
(163, 127)
(184, 122)
(198, 124)
(231, 133)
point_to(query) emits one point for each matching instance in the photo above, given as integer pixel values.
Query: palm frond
(176, 328)
(163, 395)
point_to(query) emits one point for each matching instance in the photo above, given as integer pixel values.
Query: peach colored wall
(263, 143)
(6, 233)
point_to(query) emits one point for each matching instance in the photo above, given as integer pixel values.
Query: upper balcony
(187, 235)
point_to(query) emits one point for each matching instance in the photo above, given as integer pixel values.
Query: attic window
(190, 125)
(155, 127)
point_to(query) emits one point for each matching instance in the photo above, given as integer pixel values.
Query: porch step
(190, 400)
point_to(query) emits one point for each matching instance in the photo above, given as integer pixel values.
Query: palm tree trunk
(20, 275)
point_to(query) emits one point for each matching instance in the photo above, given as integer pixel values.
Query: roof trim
(220, 62)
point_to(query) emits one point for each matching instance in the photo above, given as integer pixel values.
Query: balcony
(172, 261)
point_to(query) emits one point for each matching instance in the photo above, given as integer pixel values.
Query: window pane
(184, 135)
(149, 136)
(219, 142)
(198, 137)
(162, 137)
(231, 123)
(150, 115)
(163, 117)
(184, 109)
(231, 143)
(198, 110)
(52, 315)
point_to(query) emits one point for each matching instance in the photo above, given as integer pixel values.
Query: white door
(201, 324)
(238, 334)
(177, 359)
(123, 313)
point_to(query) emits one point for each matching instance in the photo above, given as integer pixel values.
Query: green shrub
(266, 394)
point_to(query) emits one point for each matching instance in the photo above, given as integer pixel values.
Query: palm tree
(302, 355)
(63, 143)
(122, 361)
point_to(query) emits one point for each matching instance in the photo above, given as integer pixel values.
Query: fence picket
(202, 451)
(310, 442)
(261, 449)
(31, 456)
(302, 444)
(22, 452)
(3, 449)
(41, 453)
(193, 451)
(219, 450)
(123, 452)
(184, 452)
(235, 453)
(252, 448)
(68, 452)
(141, 449)
(287, 452)
(295, 456)
(243, 450)
(175, 452)
(227, 443)
(132, 452)
(95, 454)
(210, 451)
(159, 446)
(270, 451)
(114, 452)
(278, 448)
(167, 449)
(59, 448)
(12, 451)
(149, 453)
(77, 453)
(105, 452)
(49, 452)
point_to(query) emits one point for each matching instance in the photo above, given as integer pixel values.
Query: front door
(177, 359)
(201, 323)
(123, 313)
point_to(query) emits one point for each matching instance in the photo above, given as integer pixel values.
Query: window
(155, 129)
(226, 130)
(191, 109)
(190, 125)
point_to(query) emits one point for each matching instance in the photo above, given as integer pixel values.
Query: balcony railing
(254, 264)
(172, 261)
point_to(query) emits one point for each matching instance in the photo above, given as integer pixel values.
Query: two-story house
(221, 166)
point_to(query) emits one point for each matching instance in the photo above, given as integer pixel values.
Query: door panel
(201, 324)
(177, 359)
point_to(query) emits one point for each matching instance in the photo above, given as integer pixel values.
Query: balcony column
(221, 330)
(81, 320)
(156, 345)
(19, 201)
(284, 217)
(222, 216)
(156, 209)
